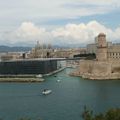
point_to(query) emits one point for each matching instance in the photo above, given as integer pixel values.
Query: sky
(60, 22)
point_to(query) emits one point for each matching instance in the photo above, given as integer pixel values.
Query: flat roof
(35, 59)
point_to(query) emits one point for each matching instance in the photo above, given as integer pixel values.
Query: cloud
(82, 33)
(43, 9)
(55, 12)
(27, 33)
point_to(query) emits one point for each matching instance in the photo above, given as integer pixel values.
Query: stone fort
(107, 62)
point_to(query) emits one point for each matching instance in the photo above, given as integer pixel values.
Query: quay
(15, 79)
(27, 70)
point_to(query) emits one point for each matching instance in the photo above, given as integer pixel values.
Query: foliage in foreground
(112, 114)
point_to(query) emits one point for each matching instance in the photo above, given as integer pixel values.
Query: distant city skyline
(58, 21)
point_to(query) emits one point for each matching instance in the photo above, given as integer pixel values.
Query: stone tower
(101, 48)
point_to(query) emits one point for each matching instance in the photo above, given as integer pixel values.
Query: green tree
(112, 114)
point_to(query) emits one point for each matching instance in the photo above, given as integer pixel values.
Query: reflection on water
(66, 101)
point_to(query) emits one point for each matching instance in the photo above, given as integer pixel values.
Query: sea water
(66, 102)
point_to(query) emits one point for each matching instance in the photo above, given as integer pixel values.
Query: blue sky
(111, 20)
(20, 18)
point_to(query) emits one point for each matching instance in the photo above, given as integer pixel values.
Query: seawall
(98, 70)
(21, 79)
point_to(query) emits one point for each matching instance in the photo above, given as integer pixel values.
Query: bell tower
(101, 47)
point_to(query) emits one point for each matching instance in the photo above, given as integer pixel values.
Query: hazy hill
(14, 49)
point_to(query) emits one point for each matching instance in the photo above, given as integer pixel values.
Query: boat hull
(47, 92)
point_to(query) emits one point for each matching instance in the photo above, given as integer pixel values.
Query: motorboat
(46, 91)
(58, 80)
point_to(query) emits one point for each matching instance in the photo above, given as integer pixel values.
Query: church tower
(101, 47)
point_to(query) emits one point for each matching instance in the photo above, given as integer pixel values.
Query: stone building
(11, 56)
(114, 52)
(47, 51)
(91, 48)
(41, 51)
(101, 47)
(107, 62)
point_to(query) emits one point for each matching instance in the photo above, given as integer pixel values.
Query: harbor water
(66, 102)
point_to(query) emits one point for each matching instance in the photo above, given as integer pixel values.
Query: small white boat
(46, 91)
(58, 80)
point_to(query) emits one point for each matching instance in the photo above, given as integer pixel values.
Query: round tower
(101, 47)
